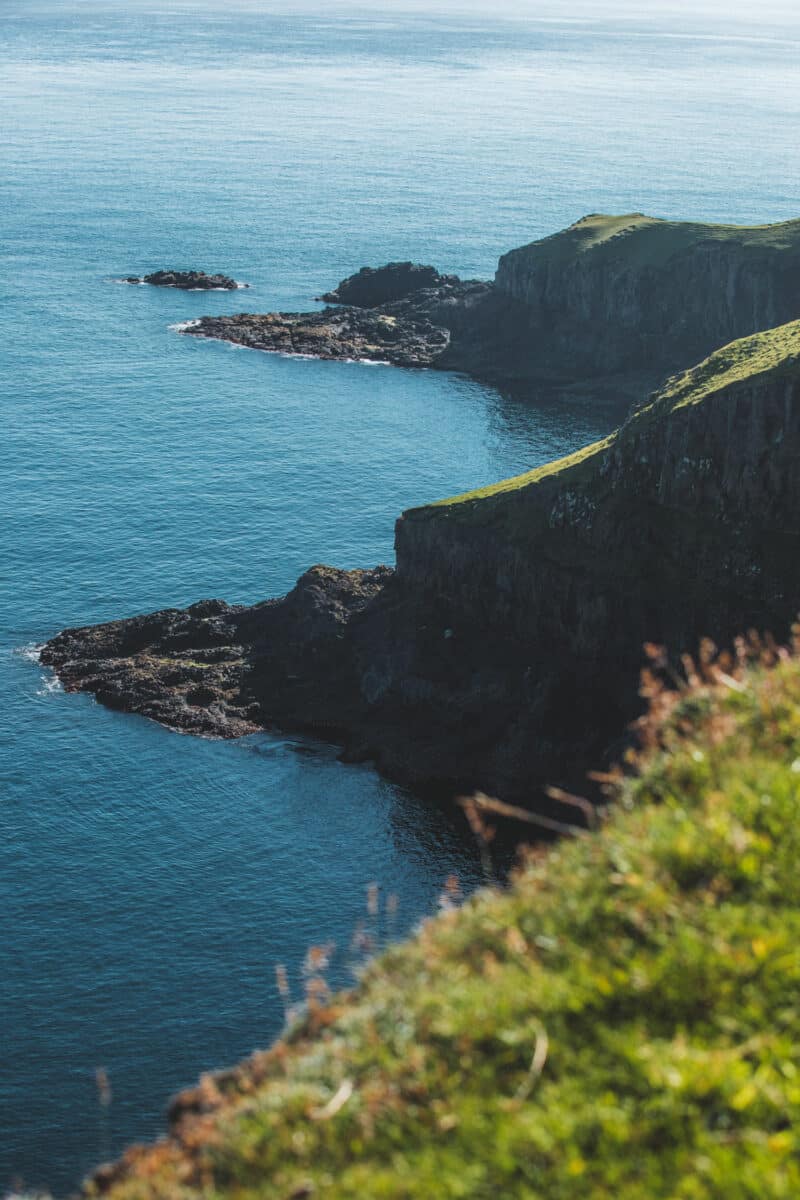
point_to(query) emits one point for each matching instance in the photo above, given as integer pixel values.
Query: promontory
(610, 305)
(504, 647)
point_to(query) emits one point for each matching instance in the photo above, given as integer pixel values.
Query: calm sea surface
(149, 883)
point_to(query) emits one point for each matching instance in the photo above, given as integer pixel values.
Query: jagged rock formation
(612, 304)
(372, 335)
(372, 286)
(505, 647)
(189, 281)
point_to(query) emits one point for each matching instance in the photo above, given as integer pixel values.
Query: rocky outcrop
(413, 332)
(372, 286)
(224, 670)
(189, 281)
(611, 305)
(615, 295)
(505, 648)
(352, 334)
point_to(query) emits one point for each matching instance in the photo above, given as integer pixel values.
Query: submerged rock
(188, 281)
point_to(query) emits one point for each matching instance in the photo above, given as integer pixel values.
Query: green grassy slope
(773, 353)
(649, 241)
(622, 1023)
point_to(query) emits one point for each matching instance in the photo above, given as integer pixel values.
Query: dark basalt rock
(413, 332)
(373, 286)
(609, 307)
(225, 670)
(372, 335)
(188, 281)
(504, 650)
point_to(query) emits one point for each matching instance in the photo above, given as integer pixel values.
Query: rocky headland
(504, 648)
(624, 1014)
(613, 304)
(188, 281)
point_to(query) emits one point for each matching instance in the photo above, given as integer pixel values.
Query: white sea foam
(183, 326)
(240, 286)
(142, 283)
(50, 684)
(31, 652)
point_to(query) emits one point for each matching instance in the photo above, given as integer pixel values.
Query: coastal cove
(150, 882)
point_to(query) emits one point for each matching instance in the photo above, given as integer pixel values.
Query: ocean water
(150, 883)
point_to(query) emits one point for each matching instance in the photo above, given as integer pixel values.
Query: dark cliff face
(504, 651)
(613, 295)
(611, 306)
(673, 531)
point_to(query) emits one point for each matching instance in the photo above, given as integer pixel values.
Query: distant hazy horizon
(691, 11)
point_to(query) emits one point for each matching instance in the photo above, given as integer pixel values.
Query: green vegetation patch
(651, 242)
(622, 1023)
(775, 352)
(582, 457)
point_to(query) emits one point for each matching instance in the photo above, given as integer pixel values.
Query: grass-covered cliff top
(774, 353)
(583, 460)
(623, 1023)
(648, 241)
(750, 360)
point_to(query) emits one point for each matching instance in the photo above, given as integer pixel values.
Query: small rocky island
(188, 281)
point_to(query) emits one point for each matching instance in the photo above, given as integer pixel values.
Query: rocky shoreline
(504, 650)
(611, 305)
(349, 334)
(413, 330)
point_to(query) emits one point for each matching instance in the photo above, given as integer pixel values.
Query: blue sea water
(150, 883)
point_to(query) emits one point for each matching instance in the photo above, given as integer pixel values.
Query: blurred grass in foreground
(622, 1023)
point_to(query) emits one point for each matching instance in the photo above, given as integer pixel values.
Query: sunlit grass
(622, 1022)
(649, 241)
(750, 360)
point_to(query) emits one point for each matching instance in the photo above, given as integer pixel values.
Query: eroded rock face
(373, 286)
(505, 649)
(610, 307)
(615, 295)
(189, 281)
